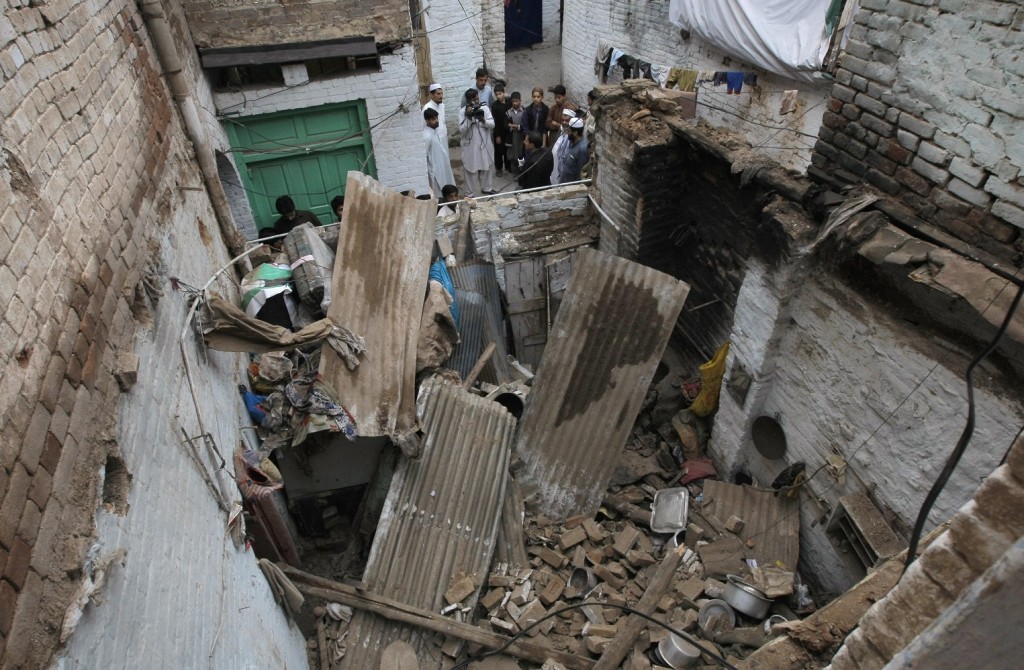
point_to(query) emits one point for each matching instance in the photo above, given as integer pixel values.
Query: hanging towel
(734, 80)
(687, 80)
(660, 73)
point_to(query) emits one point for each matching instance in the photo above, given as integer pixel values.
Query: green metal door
(302, 153)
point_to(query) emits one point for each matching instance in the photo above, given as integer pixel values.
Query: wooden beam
(622, 643)
(394, 610)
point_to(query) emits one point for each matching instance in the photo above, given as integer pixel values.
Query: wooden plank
(394, 610)
(287, 53)
(622, 643)
(523, 306)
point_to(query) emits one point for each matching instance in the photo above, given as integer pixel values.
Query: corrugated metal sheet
(440, 519)
(380, 275)
(602, 352)
(480, 277)
(772, 522)
(472, 316)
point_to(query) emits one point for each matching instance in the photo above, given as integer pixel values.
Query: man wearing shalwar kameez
(439, 168)
(475, 126)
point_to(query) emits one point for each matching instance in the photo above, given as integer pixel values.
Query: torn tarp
(227, 328)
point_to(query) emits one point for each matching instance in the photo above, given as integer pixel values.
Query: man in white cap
(439, 167)
(575, 153)
(436, 103)
(559, 145)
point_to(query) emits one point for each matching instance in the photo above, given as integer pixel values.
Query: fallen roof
(481, 278)
(440, 519)
(380, 274)
(603, 349)
(770, 523)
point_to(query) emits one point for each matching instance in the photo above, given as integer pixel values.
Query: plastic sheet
(787, 37)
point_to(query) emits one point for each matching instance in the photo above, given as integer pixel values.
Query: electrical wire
(720, 660)
(965, 436)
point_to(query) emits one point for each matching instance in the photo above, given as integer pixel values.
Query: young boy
(502, 134)
(516, 125)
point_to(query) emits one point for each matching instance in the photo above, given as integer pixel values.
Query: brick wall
(93, 169)
(457, 49)
(927, 106)
(980, 534)
(397, 137)
(641, 28)
(253, 23)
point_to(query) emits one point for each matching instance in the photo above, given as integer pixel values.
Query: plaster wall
(841, 373)
(178, 557)
(641, 28)
(392, 107)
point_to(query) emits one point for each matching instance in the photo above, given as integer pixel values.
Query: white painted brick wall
(185, 596)
(551, 21)
(819, 371)
(456, 50)
(642, 29)
(397, 141)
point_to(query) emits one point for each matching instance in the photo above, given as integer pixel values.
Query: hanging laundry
(617, 55)
(601, 59)
(660, 74)
(686, 79)
(718, 78)
(644, 70)
(750, 79)
(734, 81)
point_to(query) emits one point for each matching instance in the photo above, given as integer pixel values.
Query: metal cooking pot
(678, 653)
(746, 598)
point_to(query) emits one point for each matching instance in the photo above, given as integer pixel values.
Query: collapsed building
(839, 310)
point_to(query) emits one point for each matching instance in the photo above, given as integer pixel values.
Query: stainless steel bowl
(746, 598)
(678, 653)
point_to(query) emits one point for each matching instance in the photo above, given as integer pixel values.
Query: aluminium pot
(746, 598)
(678, 653)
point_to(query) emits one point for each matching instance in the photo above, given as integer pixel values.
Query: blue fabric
(252, 403)
(439, 273)
(734, 80)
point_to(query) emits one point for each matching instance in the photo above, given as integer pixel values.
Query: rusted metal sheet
(773, 523)
(480, 277)
(380, 272)
(440, 520)
(602, 352)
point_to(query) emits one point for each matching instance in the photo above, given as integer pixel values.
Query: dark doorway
(523, 23)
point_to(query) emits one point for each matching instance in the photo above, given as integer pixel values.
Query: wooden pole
(621, 644)
(480, 363)
(394, 610)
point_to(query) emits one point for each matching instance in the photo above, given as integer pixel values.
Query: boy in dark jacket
(502, 134)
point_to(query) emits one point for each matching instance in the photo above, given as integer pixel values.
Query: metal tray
(668, 511)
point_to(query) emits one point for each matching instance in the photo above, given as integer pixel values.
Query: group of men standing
(539, 146)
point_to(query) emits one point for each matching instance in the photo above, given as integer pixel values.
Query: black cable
(965, 437)
(686, 636)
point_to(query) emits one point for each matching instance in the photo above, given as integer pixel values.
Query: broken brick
(553, 591)
(734, 524)
(549, 556)
(460, 589)
(626, 539)
(493, 597)
(594, 530)
(571, 538)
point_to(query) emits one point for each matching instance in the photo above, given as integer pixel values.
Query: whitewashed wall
(551, 20)
(397, 142)
(185, 597)
(833, 367)
(641, 28)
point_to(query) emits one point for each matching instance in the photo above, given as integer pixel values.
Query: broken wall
(528, 223)
(956, 606)
(96, 178)
(927, 107)
(641, 28)
(840, 372)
